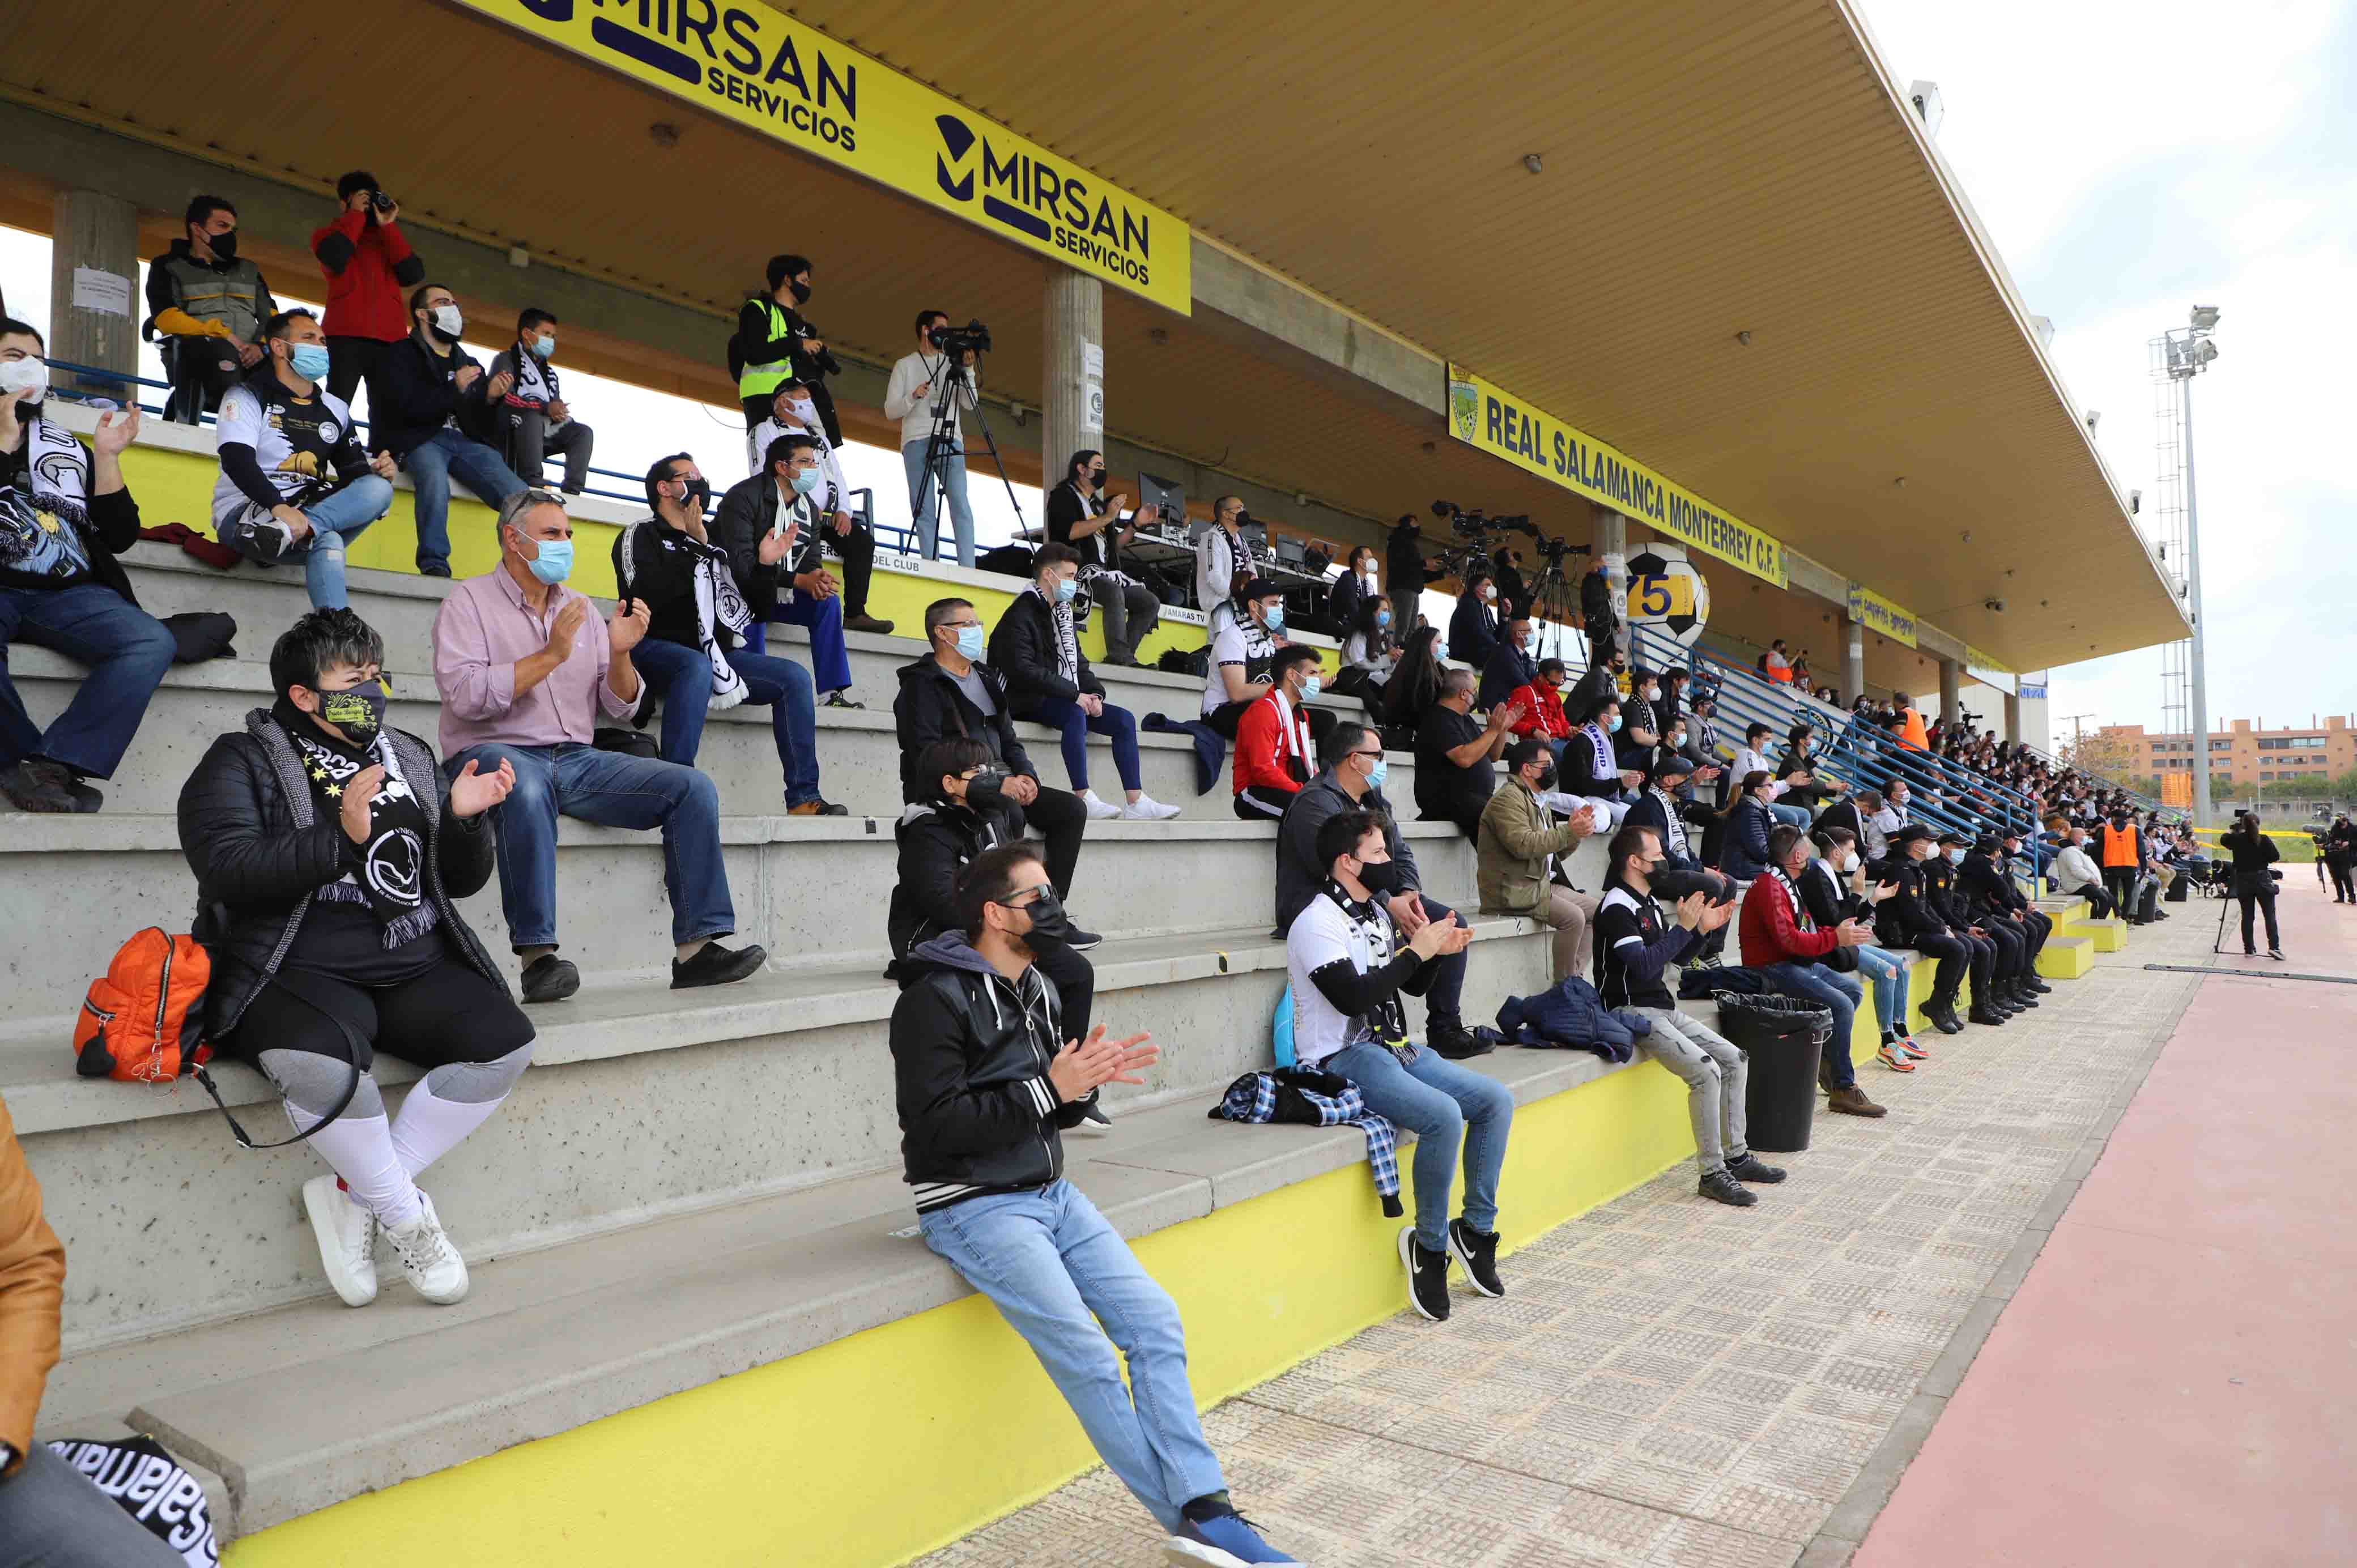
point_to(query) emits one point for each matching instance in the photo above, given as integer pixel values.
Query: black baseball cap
(1910, 834)
(1260, 588)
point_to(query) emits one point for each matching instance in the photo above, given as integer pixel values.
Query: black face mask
(1546, 778)
(800, 292)
(1379, 875)
(224, 246)
(698, 494)
(1096, 479)
(984, 791)
(1048, 921)
(359, 713)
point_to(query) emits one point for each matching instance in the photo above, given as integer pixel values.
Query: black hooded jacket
(970, 1055)
(1023, 648)
(930, 707)
(937, 841)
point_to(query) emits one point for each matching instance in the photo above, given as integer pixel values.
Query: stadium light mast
(2179, 355)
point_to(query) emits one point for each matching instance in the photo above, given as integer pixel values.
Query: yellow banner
(1976, 660)
(1481, 416)
(1874, 613)
(762, 70)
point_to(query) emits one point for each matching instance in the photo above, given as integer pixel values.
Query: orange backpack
(141, 1021)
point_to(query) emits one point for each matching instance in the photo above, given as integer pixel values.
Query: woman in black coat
(328, 852)
(1415, 685)
(1743, 848)
(2254, 883)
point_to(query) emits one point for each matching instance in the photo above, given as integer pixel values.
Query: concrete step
(547, 1342)
(2066, 957)
(642, 1103)
(804, 887)
(2109, 934)
(859, 756)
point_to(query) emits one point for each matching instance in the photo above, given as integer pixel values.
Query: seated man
(1346, 974)
(1351, 778)
(436, 412)
(1673, 818)
(296, 483)
(1751, 757)
(794, 410)
(1999, 909)
(1520, 843)
(1455, 756)
(50, 1515)
(525, 674)
(1641, 729)
(1783, 943)
(1242, 648)
(208, 304)
(773, 525)
(329, 853)
(1509, 668)
(979, 1125)
(1946, 903)
(1635, 941)
(937, 838)
(692, 655)
(1273, 751)
(65, 515)
(1037, 646)
(1591, 763)
(1601, 679)
(538, 423)
(950, 691)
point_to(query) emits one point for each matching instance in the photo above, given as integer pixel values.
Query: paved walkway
(1674, 1382)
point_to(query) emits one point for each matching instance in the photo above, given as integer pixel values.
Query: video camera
(1475, 523)
(973, 336)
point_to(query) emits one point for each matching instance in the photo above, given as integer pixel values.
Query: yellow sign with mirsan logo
(1479, 414)
(761, 68)
(1876, 614)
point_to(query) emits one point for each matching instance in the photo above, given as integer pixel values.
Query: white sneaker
(347, 1237)
(1147, 808)
(1099, 810)
(435, 1269)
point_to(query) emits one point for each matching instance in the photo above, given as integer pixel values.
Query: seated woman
(1834, 888)
(1413, 686)
(1590, 767)
(1369, 653)
(1542, 704)
(1743, 848)
(328, 852)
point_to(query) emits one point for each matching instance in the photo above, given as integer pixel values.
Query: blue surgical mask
(1383, 767)
(807, 481)
(1310, 688)
(1615, 723)
(1274, 618)
(971, 644)
(555, 562)
(1065, 588)
(1440, 650)
(544, 346)
(1383, 617)
(1956, 857)
(308, 361)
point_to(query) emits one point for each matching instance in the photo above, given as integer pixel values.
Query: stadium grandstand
(1671, 320)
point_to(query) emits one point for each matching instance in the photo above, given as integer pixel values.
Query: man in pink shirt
(525, 672)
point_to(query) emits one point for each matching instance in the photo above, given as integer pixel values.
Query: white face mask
(20, 377)
(447, 320)
(1849, 862)
(806, 412)
(1489, 590)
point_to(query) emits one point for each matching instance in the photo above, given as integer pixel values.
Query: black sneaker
(820, 807)
(837, 699)
(433, 569)
(37, 784)
(1079, 941)
(1093, 1120)
(1459, 1044)
(1477, 1250)
(715, 965)
(549, 978)
(1749, 1167)
(1427, 1276)
(1721, 1187)
(2277, 954)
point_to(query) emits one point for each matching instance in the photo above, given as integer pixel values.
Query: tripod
(941, 446)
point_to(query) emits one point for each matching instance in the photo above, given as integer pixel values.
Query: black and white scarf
(1599, 749)
(535, 381)
(44, 512)
(718, 605)
(1801, 919)
(390, 878)
(1370, 939)
(1673, 832)
(1068, 640)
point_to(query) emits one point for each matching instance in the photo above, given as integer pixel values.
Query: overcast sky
(2132, 160)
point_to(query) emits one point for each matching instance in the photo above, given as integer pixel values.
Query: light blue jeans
(921, 502)
(1796, 815)
(1056, 1270)
(1443, 1104)
(336, 522)
(1889, 978)
(431, 465)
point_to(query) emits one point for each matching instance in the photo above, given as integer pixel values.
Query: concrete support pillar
(1952, 702)
(1071, 370)
(1611, 547)
(2012, 719)
(1853, 681)
(96, 240)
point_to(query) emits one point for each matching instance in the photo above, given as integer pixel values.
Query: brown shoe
(863, 621)
(1852, 1101)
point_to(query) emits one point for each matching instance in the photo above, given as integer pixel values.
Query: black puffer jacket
(259, 851)
(930, 707)
(970, 1055)
(1023, 648)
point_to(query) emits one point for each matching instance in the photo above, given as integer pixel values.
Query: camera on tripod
(1475, 523)
(974, 336)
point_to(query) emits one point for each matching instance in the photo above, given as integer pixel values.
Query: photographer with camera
(930, 388)
(2256, 877)
(774, 344)
(2339, 849)
(1080, 516)
(369, 266)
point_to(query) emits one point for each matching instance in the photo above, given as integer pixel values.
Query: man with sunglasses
(987, 1079)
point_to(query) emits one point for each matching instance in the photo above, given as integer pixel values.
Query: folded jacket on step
(1314, 1099)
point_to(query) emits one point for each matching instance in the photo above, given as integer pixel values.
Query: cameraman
(1080, 516)
(2255, 879)
(2340, 857)
(369, 268)
(917, 386)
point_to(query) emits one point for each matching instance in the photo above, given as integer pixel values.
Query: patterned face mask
(359, 713)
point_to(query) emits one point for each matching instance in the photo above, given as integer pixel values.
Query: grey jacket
(1298, 874)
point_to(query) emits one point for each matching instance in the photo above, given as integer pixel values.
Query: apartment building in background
(2247, 752)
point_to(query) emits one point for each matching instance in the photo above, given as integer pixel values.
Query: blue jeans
(1443, 1104)
(823, 619)
(1056, 1270)
(127, 651)
(1796, 815)
(618, 791)
(921, 502)
(430, 465)
(1841, 993)
(336, 521)
(1889, 978)
(683, 677)
(1063, 713)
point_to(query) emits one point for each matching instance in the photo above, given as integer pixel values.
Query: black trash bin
(1783, 1036)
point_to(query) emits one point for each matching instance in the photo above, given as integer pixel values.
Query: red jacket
(1270, 751)
(1543, 713)
(1770, 927)
(371, 270)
